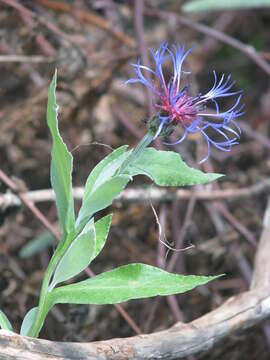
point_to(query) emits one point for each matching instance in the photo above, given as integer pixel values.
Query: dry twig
(151, 193)
(24, 59)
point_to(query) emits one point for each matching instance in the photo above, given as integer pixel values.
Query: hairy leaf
(4, 322)
(127, 282)
(102, 228)
(61, 166)
(28, 321)
(166, 168)
(105, 169)
(102, 197)
(78, 256)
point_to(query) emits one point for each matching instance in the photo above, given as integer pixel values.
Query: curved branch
(179, 341)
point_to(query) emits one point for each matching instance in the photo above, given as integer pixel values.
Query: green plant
(214, 5)
(83, 236)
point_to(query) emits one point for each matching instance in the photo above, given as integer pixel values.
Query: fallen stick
(181, 340)
(151, 193)
(238, 313)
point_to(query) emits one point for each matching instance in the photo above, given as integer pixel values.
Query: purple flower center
(180, 109)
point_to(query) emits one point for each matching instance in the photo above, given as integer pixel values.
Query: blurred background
(92, 44)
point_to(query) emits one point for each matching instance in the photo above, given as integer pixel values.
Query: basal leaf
(78, 256)
(166, 168)
(61, 166)
(214, 5)
(102, 197)
(102, 228)
(28, 321)
(4, 322)
(127, 282)
(37, 245)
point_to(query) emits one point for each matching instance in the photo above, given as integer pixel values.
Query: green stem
(146, 140)
(42, 308)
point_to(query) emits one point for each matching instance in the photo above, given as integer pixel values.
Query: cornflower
(175, 106)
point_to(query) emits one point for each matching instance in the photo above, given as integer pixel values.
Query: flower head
(174, 104)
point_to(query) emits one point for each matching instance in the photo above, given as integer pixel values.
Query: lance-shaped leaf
(166, 168)
(78, 256)
(61, 166)
(105, 169)
(37, 245)
(28, 321)
(102, 228)
(4, 322)
(127, 282)
(214, 5)
(101, 198)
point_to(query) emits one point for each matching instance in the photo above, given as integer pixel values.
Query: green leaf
(102, 228)
(36, 245)
(61, 166)
(214, 5)
(127, 282)
(101, 198)
(4, 322)
(166, 168)
(105, 169)
(78, 256)
(28, 321)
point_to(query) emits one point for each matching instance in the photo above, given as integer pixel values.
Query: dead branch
(151, 193)
(25, 59)
(237, 313)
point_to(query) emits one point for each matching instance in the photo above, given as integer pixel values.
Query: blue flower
(174, 105)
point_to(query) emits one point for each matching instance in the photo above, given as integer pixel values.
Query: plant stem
(42, 308)
(146, 140)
